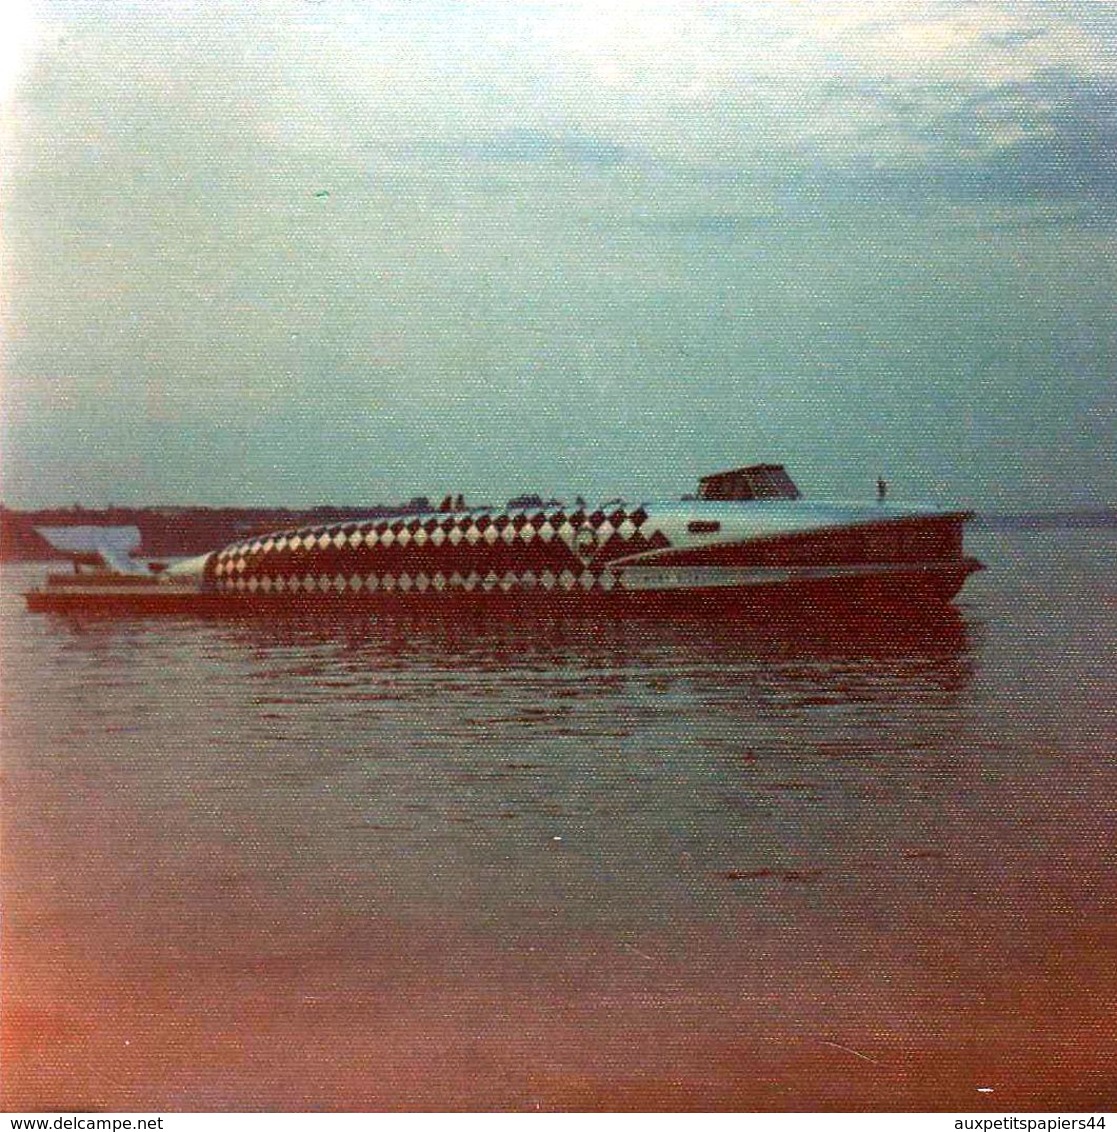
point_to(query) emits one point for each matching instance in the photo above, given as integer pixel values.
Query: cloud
(1051, 138)
(343, 235)
(539, 146)
(882, 83)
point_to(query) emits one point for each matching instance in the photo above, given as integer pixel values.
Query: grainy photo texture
(558, 555)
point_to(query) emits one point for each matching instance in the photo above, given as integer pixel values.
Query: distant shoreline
(170, 532)
(1091, 519)
(181, 531)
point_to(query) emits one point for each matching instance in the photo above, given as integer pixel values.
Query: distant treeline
(1048, 520)
(173, 531)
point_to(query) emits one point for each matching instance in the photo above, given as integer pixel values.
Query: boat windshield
(759, 481)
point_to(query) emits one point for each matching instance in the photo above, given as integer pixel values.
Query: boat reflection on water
(720, 665)
(935, 647)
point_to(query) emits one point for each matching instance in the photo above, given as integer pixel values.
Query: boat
(747, 540)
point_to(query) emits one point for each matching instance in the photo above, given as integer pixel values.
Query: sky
(292, 252)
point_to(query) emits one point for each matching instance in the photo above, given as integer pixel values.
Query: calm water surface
(696, 865)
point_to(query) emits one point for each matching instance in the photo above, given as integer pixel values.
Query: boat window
(759, 481)
(703, 526)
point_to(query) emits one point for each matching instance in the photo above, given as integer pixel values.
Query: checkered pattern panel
(487, 551)
(569, 581)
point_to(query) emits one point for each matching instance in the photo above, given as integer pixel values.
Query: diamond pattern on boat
(549, 550)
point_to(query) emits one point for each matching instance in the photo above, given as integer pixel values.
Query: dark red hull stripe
(906, 540)
(852, 593)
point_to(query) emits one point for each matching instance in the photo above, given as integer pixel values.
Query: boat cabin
(758, 481)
